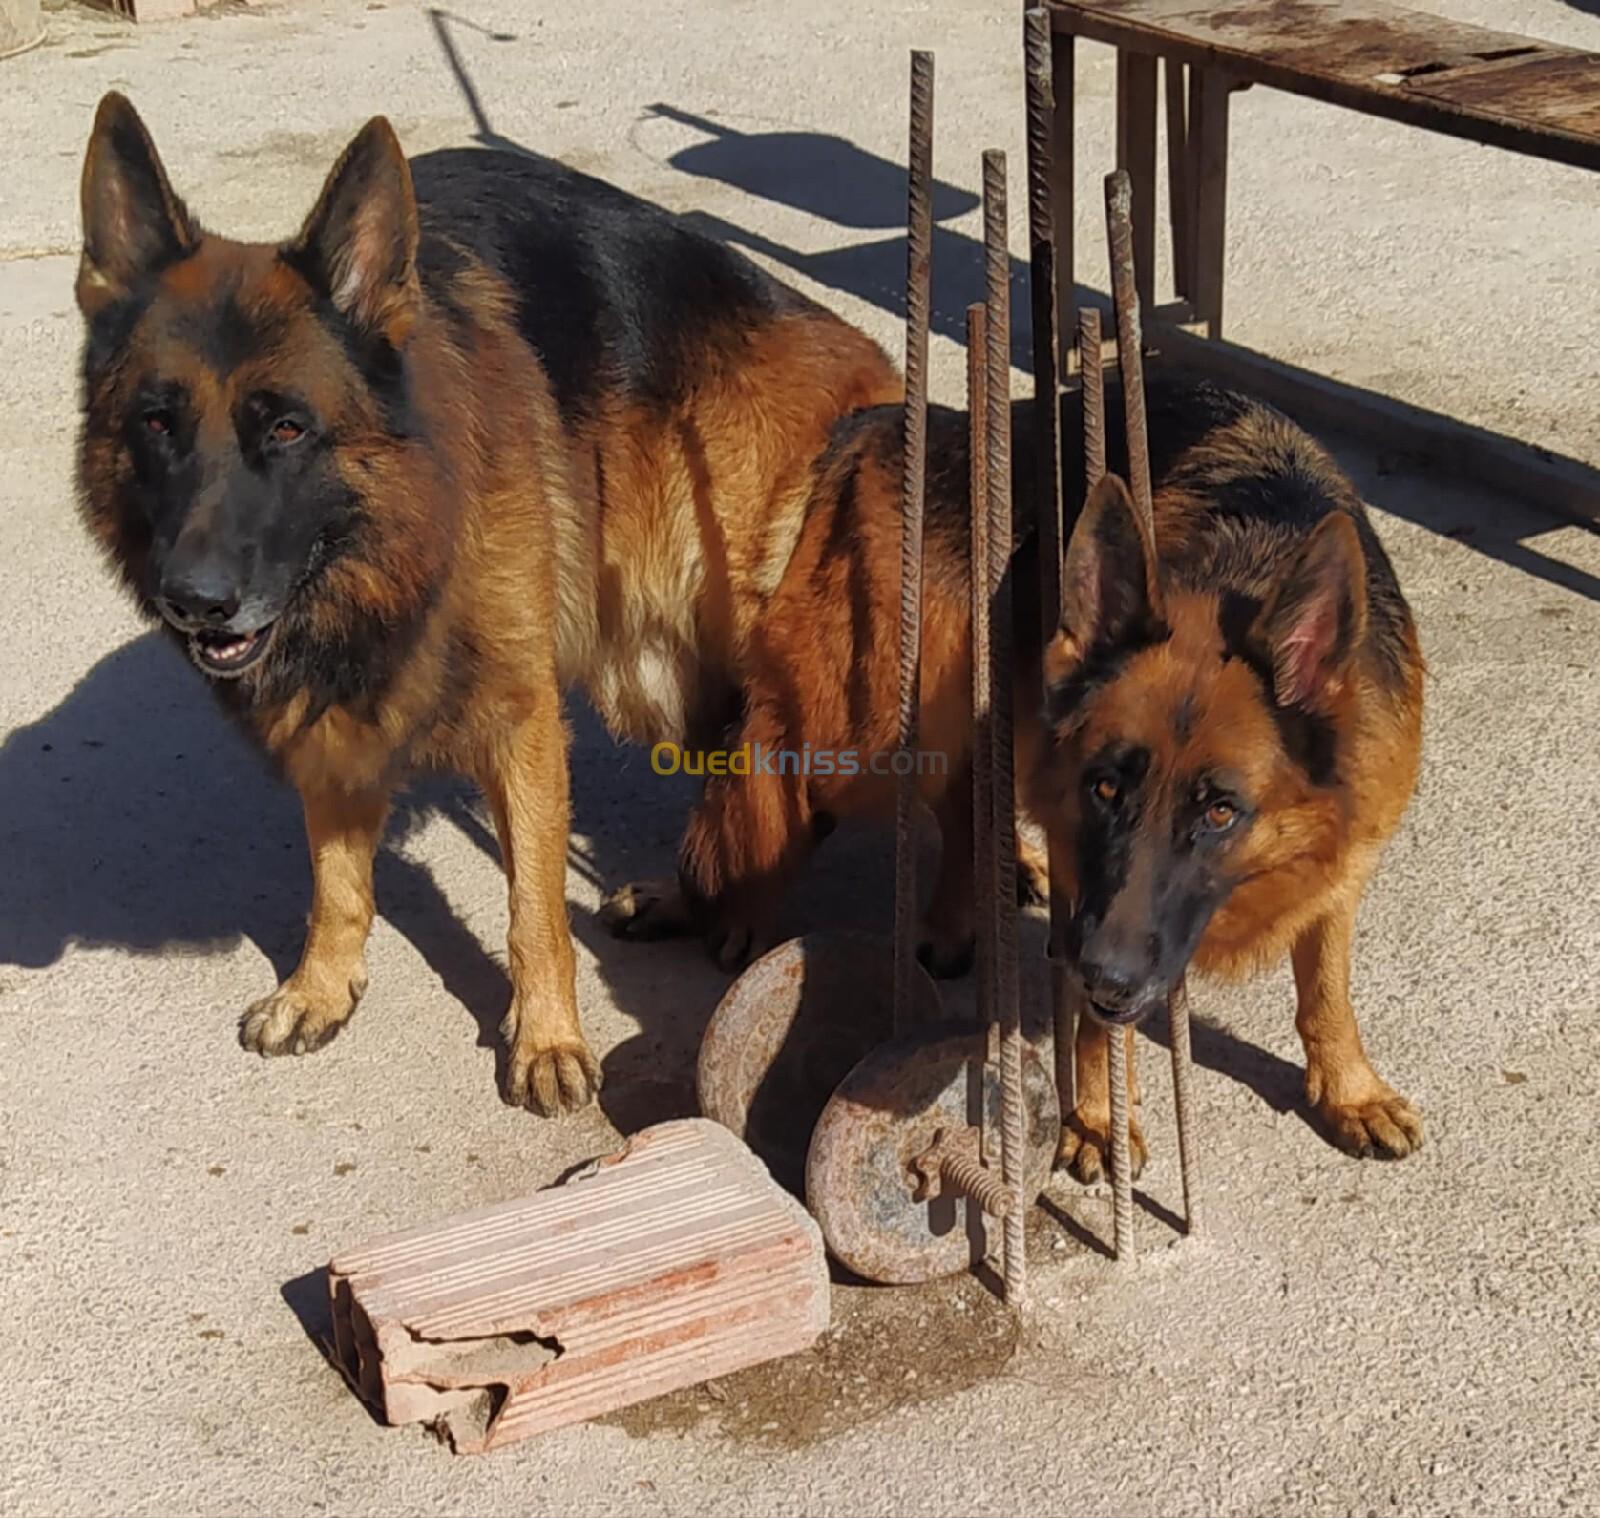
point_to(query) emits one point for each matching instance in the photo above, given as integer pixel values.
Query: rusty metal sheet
(1383, 60)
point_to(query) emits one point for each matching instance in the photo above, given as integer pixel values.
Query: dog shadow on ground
(133, 815)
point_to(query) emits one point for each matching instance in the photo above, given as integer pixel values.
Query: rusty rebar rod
(1093, 392)
(1130, 362)
(919, 244)
(1183, 1105)
(1065, 990)
(965, 1174)
(1125, 300)
(952, 1164)
(1042, 281)
(1127, 1249)
(1130, 340)
(997, 321)
(1048, 363)
(985, 893)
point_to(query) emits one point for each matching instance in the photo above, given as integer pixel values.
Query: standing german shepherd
(483, 428)
(1232, 735)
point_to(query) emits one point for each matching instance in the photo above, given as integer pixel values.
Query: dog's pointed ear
(359, 244)
(133, 224)
(1110, 583)
(1313, 626)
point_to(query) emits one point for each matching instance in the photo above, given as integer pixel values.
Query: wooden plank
(1136, 152)
(1208, 155)
(1472, 454)
(1383, 60)
(1564, 90)
(1180, 192)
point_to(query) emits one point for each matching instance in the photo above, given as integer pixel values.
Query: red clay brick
(676, 1260)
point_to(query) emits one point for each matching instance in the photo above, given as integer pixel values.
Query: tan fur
(633, 553)
(821, 673)
(1306, 859)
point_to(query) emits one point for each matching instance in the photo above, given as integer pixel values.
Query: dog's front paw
(1085, 1148)
(551, 1076)
(1383, 1125)
(295, 1020)
(1360, 1113)
(646, 909)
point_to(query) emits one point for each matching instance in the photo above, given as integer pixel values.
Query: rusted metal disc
(886, 1112)
(789, 1029)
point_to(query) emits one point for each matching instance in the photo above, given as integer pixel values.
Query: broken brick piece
(676, 1260)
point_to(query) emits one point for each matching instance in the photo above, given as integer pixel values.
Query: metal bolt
(952, 1165)
(963, 1174)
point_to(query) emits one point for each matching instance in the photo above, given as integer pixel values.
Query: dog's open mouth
(1119, 1017)
(226, 654)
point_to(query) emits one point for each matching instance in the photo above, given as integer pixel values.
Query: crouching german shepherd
(1231, 734)
(483, 428)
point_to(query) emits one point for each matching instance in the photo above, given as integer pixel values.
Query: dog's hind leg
(1361, 1113)
(751, 834)
(342, 828)
(647, 909)
(550, 1068)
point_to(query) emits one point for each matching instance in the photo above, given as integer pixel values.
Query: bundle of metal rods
(1046, 280)
(993, 683)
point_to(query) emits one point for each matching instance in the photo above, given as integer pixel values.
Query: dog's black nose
(199, 595)
(1114, 983)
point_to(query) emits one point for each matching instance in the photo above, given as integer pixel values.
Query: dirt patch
(887, 1348)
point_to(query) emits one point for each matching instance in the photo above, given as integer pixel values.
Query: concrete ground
(1350, 1337)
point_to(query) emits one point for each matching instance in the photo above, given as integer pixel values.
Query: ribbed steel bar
(919, 244)
(997, 316)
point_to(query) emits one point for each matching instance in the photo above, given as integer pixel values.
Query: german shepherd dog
(483, 428)
(822, 673)
(1231, 733)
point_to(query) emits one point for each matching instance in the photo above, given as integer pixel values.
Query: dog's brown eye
(158, 422)
(287, 430)
(1220, 814)
(1107, 790)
